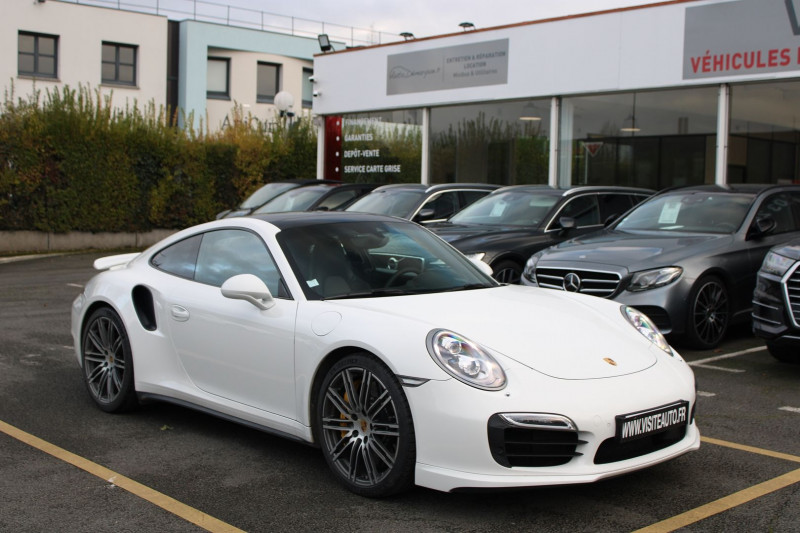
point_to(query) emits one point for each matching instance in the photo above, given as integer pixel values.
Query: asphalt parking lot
(66, 466)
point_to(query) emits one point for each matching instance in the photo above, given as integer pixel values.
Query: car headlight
(776, 264)
(530, 267)
(645, 326)
(651, 279)
(465, 360)
(476, 256)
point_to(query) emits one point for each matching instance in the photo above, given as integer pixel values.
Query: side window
(583, 209)
(784, 208)
(613, 205)
(180, 258)
(227, 253)
(443, 204)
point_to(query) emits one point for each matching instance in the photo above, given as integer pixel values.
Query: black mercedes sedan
(687, 257)
(776, 302)
(504, 228)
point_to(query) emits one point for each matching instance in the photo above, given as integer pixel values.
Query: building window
(119, 64)
(764, 139)
(38, 55)
(308, 88)
(268, 82)
(650, 139)
(505, 143)
(219, 87)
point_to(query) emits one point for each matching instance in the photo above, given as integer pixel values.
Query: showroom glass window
(648, 139)
(218, 78)
(119, 64)
(504, 143)
(37, 55)
(764, 137)
(382, 147)
(268, 82)
(308, 88)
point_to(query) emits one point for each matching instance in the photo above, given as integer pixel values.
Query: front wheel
(107, 362)
(365, 427)
(708, 313)
(507, 272)
(784, 354)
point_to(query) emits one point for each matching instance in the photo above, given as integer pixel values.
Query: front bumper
(458, 455)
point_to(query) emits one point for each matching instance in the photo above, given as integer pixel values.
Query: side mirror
(249, 288)
(566, 223)
(762, 226)
(424, 214)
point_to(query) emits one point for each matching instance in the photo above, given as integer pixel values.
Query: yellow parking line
(734, 500)
(207, 522)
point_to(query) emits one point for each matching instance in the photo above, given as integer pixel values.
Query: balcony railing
(243, 17)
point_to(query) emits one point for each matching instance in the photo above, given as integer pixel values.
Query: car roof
(437, 187)
(736, 188)
(296, 219)
(568, 191)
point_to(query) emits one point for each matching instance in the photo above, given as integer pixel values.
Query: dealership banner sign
(741, 38)
(451, 67)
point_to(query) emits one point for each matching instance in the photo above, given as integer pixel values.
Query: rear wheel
(365, 427)
(708, 314)
(785, 354)
(507, 272)
(107, 362)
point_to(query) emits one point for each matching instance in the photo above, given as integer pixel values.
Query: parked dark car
(264, 194)
(330, 196)
(776, 302)
(687, 257)
(423, 204)
(504, 228)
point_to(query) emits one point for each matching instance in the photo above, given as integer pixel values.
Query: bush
(70, 161)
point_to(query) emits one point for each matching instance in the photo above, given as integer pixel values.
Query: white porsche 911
(376, 341)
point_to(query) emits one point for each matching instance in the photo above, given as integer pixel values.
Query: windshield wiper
(369, 294)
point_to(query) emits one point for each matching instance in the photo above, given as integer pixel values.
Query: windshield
(508, 208)
(369, 259)
(692, 212)
(265, 194)
(396, 203)
(299, 199)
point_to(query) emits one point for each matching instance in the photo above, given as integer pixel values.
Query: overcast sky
(424, 18)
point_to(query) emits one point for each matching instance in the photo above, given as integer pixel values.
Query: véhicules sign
(450, 67)
(741, 38)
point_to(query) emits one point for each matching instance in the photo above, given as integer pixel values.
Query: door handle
(180, 313)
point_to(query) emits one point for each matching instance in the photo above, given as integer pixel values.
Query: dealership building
(675, 93)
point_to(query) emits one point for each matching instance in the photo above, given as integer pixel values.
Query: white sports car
(373, 339)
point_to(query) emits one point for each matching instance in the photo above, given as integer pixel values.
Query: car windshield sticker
(498, 209)
(312, 283)
(669, 213)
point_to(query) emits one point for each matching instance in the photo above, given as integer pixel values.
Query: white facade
(81, 31)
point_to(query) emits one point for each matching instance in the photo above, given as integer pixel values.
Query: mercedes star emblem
(572, 282)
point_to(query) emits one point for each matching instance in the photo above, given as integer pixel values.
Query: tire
(365, 427)
(107, 362)
(784, 354)
(507, 272)
(708, 314)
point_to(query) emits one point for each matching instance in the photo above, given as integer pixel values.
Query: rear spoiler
(114, 262)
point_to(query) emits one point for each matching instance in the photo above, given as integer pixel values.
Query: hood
(457, 234)
(528, 325)
(635, 251)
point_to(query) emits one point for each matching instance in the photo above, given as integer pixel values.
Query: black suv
(266, 193)
(776, 302)
(420, 203)
(506, 227)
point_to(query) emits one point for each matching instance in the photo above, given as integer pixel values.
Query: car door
(230, 348)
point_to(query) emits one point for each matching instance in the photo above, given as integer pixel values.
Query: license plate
(644, 423)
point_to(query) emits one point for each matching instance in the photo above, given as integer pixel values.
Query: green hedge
(70, 161)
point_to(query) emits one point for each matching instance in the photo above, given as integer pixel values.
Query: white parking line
(701, 363)
(706, 394)
(790, 409)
